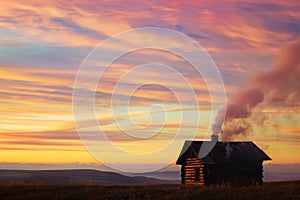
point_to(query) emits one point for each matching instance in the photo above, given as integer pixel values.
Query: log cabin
(228, 163)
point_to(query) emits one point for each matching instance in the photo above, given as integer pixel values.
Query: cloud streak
(43, 44)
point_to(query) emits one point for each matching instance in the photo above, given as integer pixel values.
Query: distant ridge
(163, 175)
(77, 176)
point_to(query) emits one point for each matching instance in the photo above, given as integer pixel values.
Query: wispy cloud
(43, 44)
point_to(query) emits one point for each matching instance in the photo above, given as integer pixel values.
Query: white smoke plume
(278, 87)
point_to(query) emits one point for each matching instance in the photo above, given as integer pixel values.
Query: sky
(43, 44)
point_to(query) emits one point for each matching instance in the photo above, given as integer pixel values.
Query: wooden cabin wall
(233, 174)
(192, 172)
(195, 172)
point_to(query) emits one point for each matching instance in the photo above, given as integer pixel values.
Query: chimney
(214, 138)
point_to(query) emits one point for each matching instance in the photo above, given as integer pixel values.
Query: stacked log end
(192, 172)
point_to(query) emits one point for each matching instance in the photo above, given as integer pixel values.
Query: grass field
(275, 190)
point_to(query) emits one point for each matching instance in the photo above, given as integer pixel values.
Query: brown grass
(276, 190)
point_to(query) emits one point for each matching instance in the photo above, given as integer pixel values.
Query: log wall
(234, 175)
(192, 172)
(195, 172)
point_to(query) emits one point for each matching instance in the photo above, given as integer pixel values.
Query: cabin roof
(224, 152)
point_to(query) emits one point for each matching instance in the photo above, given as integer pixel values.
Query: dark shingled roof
(224, 152)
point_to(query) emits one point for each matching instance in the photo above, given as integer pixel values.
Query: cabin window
(197, 174)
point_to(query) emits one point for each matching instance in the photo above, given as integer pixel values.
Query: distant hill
(164, 175)
(281, 172)
(78, 176)
(60, 174)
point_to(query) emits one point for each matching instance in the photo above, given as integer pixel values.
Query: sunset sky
(43, 44)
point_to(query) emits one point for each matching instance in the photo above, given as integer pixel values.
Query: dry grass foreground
(275, 190)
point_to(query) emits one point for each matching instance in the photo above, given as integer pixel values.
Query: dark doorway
(197, 174)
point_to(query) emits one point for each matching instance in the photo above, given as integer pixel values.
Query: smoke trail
(278, 87)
